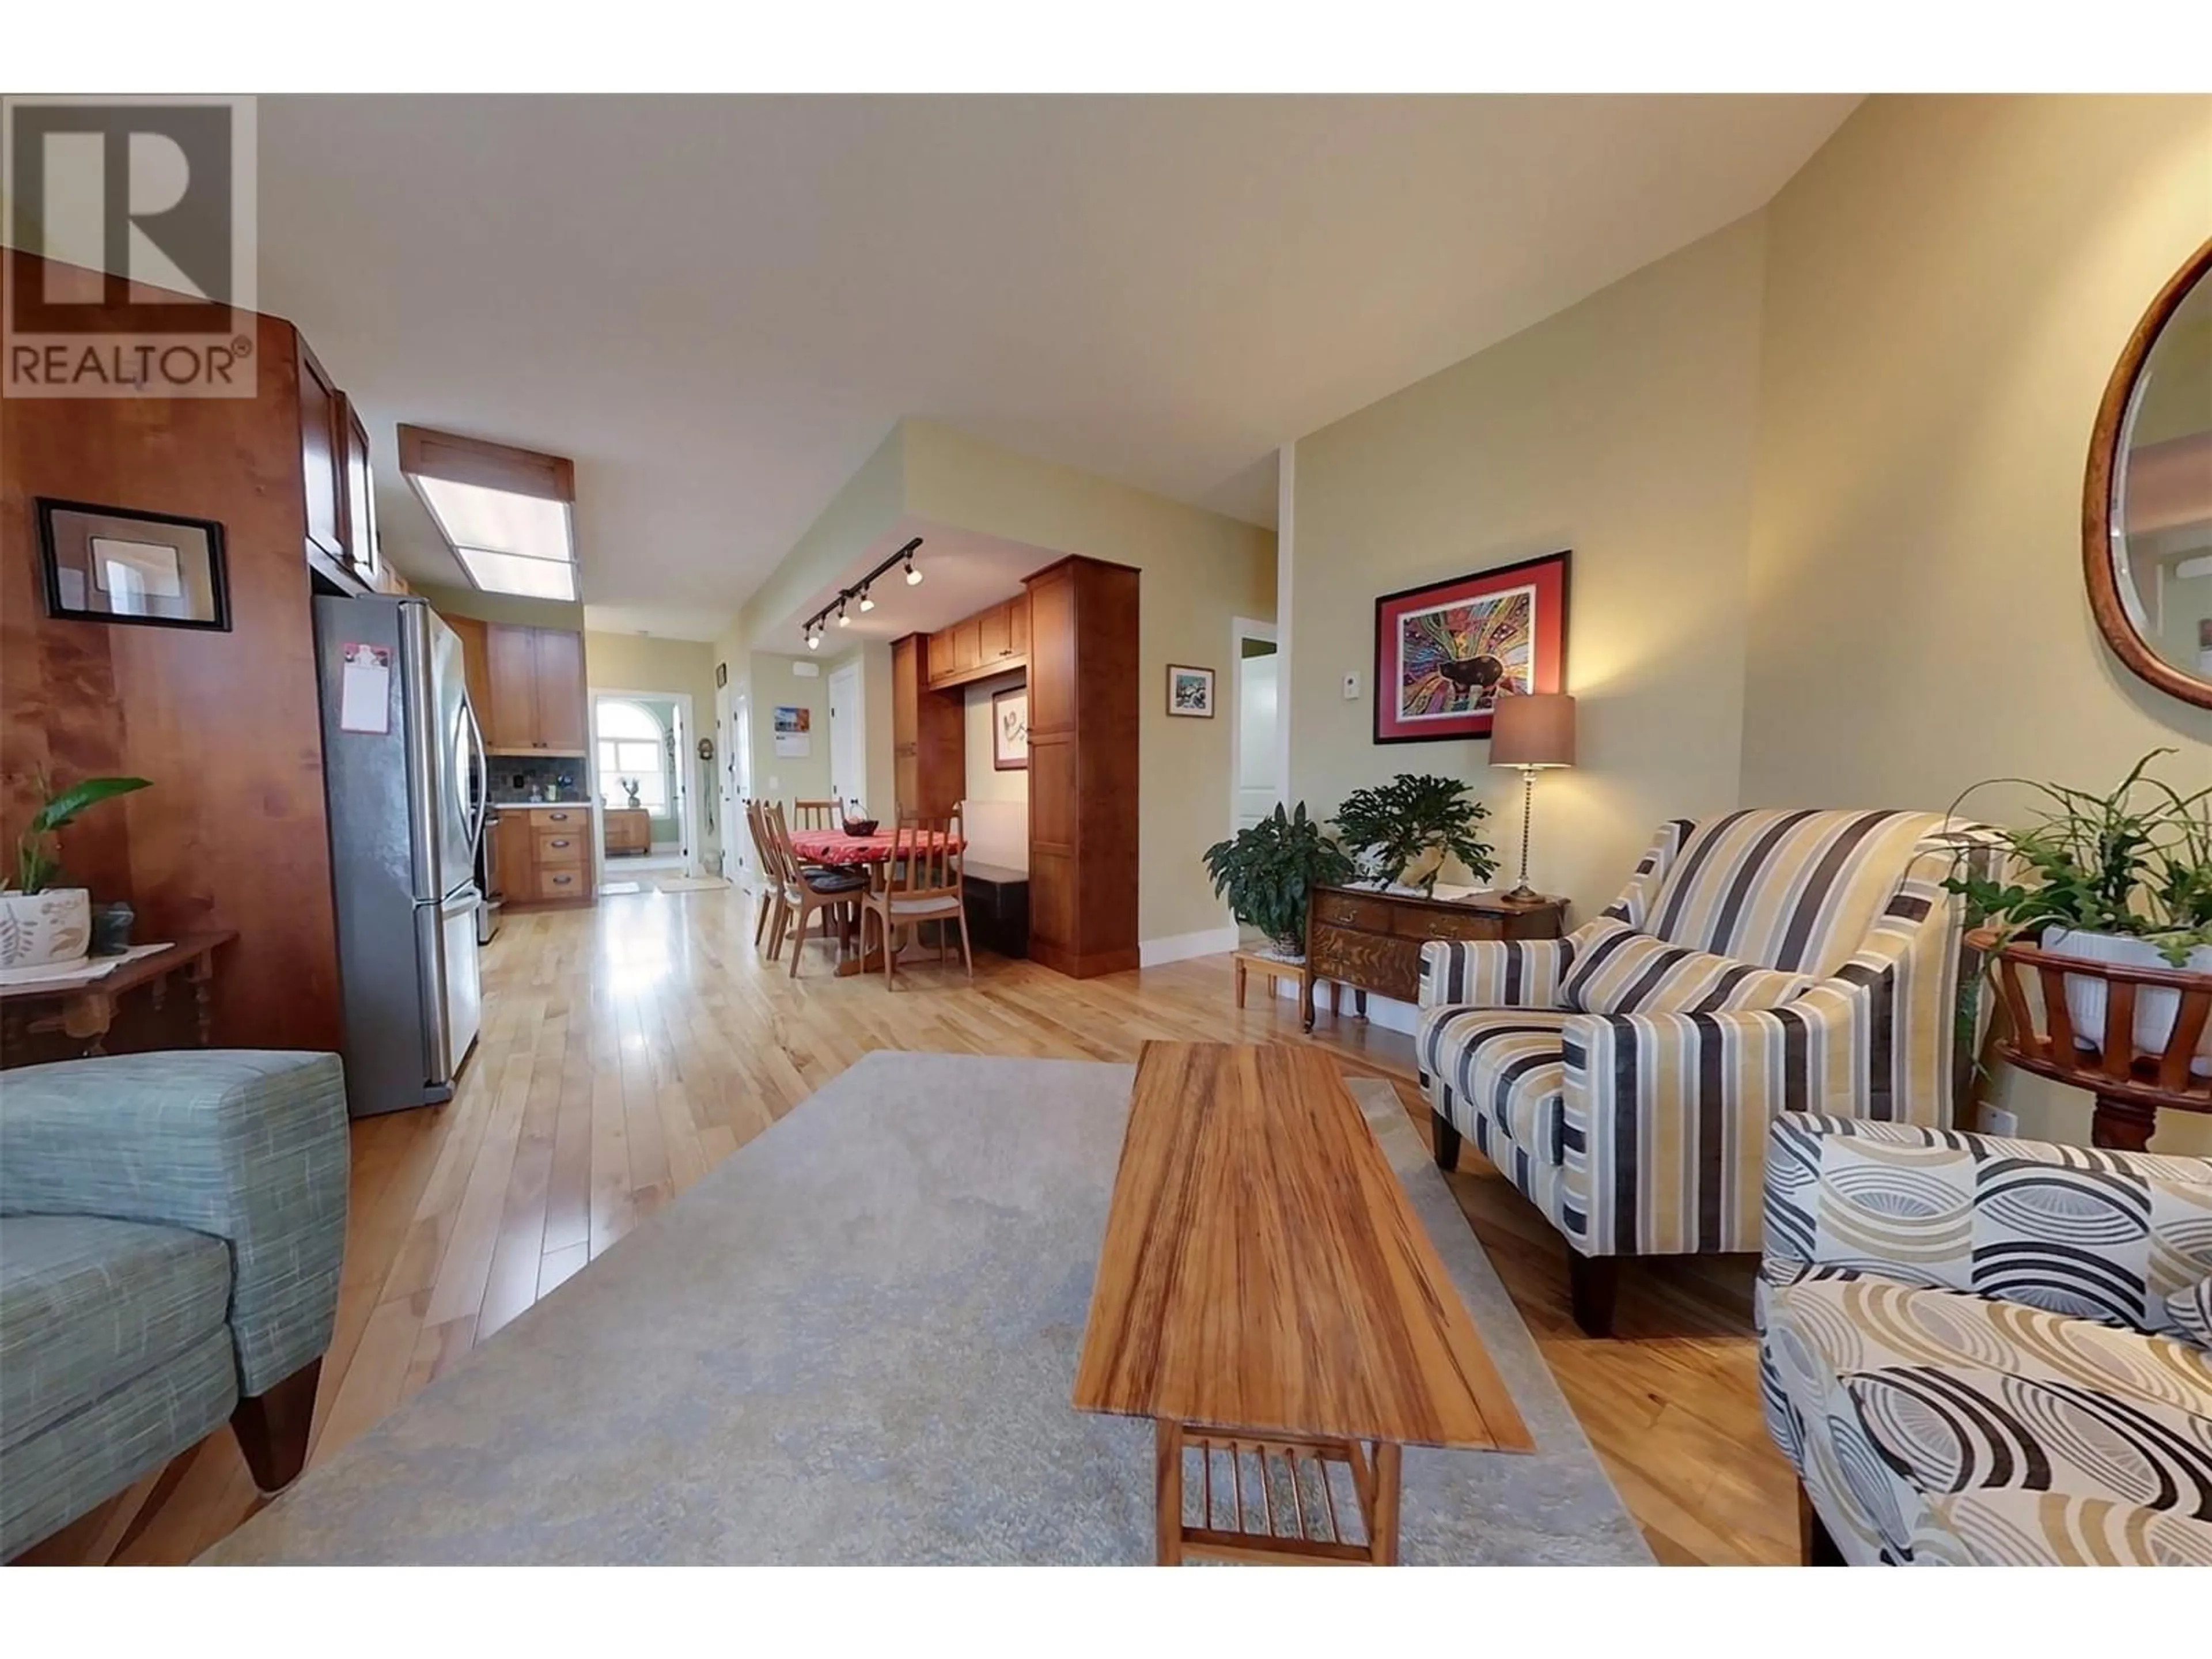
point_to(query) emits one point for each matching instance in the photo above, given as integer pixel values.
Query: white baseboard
(1181, 947)
(1389, 1013)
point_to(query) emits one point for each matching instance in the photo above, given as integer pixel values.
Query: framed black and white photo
(108, 564)
(1190, 691)
(1010, 730)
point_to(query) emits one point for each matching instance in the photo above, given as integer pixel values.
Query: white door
(1259, 709)
(847, 771)
(680, 781)
(735, 845)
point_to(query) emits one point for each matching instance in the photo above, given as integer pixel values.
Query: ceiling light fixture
(813, 625)
(507, 514)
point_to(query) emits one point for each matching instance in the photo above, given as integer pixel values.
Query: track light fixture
(814, 624)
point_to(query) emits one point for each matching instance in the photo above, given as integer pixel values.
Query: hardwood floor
(630, 1047)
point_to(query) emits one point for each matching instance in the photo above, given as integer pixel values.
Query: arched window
(633, 744)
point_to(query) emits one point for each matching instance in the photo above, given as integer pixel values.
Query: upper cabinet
(322, 457)
(989, 642)
(535, 676)
(339, 485)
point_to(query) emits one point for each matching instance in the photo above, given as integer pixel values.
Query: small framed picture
(109, 565)
(1190, 691)
(1010, 730)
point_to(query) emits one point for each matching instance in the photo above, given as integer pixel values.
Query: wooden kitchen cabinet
(357, 494)
(545, 854)
(537, 694)
(322, 456)
(991, 641)
(476, 666)
(929, 735)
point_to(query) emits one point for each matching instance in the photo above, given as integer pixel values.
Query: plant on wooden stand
(1415, 821)
(1267, 871)
(41, 922)
(2123, 877)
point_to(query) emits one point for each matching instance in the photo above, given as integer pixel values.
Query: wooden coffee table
(1268, 1297)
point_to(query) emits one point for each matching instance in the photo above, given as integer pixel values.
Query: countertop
(539, 805)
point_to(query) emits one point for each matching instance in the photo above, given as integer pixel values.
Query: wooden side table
(85, 1009)
(1371, 940)
(1271, 969)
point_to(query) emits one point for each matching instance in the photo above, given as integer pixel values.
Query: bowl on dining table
(860, 826)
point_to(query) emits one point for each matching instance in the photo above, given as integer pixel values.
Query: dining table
(871, 853)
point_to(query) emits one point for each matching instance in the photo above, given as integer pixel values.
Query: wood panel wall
(233, 833)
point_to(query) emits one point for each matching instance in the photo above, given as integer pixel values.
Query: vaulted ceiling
(718, 307)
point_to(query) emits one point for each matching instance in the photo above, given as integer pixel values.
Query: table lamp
(1533, 731)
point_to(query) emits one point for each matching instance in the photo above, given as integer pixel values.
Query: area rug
(853, 1342)
(693, 883)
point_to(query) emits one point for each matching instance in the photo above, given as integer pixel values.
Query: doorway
(1256, 781)
(641, 750)
(848, 780)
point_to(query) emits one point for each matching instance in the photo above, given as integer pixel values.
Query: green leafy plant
(1415, 820)
(2135, 861)
(36, 864)
(1267, 871)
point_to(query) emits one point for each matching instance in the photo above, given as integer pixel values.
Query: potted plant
(2124, 877)
(1266, 871)
(42, 923)
(1411, 824)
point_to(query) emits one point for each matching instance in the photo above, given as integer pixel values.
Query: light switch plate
(1995, 1120)
(1350, 687)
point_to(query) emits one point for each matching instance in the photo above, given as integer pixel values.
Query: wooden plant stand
(2130, 1088)
(1271, 969)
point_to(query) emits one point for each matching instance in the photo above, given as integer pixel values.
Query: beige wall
(984, 780)
(789, 778)
(645, 662)
(1201, 570)
(1621, 429)
(1950, 281)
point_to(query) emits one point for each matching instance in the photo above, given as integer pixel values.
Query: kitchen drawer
(1444, 924)
(577, 819)
(563, 881)
(560, 847)
(1352, 910)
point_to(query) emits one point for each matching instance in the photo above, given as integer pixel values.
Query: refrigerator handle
(484, 779)
(421, 737)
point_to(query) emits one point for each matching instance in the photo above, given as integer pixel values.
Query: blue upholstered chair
(170, 1227)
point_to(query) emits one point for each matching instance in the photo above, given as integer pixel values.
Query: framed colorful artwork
(1190, 691)
(1444, 653)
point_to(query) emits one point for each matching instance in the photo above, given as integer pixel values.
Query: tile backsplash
(513, 776)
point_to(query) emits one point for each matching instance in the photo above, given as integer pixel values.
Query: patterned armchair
(171, 1230)
(1977, 1350)
(1623, 1077)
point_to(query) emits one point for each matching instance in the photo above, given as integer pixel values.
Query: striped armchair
(1623, 1077)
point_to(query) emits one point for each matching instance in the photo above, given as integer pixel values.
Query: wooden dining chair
(808, 892)
(767, 861)
(817, 814)
(920, 884)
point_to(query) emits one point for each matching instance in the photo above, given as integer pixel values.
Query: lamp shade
(1536, 728)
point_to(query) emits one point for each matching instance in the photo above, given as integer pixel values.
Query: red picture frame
(1444, 652)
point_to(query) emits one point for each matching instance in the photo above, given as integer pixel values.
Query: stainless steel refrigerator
(405, 772)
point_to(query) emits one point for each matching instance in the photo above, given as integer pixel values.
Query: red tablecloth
(835, 846)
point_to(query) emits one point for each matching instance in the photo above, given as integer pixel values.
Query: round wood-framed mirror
(2147, 508)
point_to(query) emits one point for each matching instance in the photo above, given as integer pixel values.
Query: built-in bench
(997, 901)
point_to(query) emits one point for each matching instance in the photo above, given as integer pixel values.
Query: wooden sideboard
(628, 829)
(1371, 941)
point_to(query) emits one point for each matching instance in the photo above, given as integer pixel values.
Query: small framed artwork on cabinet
(110, 564)
(1190, 691)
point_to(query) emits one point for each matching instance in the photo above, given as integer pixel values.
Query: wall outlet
(1995, 1120)
(1352, 688)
